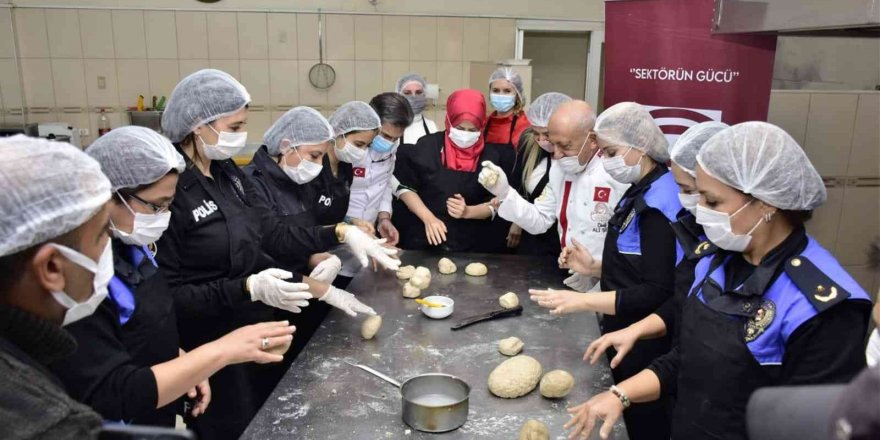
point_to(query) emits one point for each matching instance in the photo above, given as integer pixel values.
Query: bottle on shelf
(103, 124)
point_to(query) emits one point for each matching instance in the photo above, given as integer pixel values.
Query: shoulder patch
(821, 291)
(704, 248)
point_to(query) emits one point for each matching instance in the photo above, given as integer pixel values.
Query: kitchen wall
(827, 63)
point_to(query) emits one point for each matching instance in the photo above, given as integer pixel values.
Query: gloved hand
(581, 283)
(270, 288)
(327, 270)
(364, 246)
(494, 180)
(346, 302)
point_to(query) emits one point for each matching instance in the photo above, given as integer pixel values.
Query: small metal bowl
(438, 312)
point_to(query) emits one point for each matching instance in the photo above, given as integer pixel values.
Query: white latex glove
(346, 302)
(581, 283)
(270, 288)
(327, 270)
(494, 180)
(364, 246)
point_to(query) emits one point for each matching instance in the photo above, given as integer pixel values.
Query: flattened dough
(556, 384)
(509, 300)
(534, 430)
(510, 346)
(515, 377)
(410, 291)
(421, 278)
(371, 326)
(476, 269)
(281, 349)
(446, 266)
(405, 272)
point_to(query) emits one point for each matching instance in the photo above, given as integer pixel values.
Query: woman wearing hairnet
(637, 265)
(508, 122)
(129, 365)
(771, 308)
(412, 87)
(214, 253)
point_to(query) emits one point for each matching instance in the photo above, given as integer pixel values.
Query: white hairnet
(511, 75)
(542, 108)
(299, 125)
(48, 189)
(408, 78)
(684, 151)
(628, 124)
(202, 97)
(762, 160)
(354, 116)
(132, 156)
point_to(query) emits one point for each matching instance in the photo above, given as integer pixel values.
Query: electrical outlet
(102, 83)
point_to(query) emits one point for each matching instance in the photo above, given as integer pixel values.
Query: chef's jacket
(420, 126)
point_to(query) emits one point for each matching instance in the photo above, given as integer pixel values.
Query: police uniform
(796, 318)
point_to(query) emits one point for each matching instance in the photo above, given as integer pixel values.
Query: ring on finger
(264, 344)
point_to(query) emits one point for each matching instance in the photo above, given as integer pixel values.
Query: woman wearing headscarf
(412, 87)
(772, 307)
(508, 122)
(438, 177)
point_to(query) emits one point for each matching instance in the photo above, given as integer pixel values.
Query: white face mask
(350, 153)
(546, 145)
(719, 230)
(620, 171)
(103, 271)
(228, 144)
(146, 229)
(689, 202)
(303, 173)
(463, 139)
(571, 165)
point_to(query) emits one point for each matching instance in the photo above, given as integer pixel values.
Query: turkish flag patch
(601, 194)
(360, 172)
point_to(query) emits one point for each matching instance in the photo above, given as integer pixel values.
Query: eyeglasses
(158, 209)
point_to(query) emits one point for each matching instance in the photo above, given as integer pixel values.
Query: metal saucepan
(433, 402)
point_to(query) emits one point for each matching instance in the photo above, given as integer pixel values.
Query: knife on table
(497, 314)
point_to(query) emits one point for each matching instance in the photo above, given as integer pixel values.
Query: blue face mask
(502, 103)
(382, 145)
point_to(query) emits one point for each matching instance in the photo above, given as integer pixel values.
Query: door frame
(596, 30)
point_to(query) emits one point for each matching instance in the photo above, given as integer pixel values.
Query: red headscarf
(464, 105)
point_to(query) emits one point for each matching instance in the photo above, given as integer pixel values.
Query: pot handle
(376, 373)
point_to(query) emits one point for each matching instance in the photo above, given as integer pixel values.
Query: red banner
(662, 54)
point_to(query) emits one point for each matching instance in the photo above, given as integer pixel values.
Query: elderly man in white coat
(580, 195)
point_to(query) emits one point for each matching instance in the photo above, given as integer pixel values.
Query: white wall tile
(339, 34)
(368, 37)
(307, 36)
(229, 66)
(69, 80)
(257, 124)
(309, 95)
(109, 95)
(282, 36)
(502, 38)
(391, 72)
(7, 39)
(164, 76)
(187, 67)
(826, 218)
(344, 89)
(790, 111)
(192, 35)
(865, 156)
(133, 79)
(423, 39)
(368, 79)
(96, 32)
(33, 37)
(428, 69)
(37, 81)
(161, 34)
(450, 34)
(395, 38)
(475, 33)
(829, 131)
(859, 223)
(449, 76)
(129, 34)
(222, 35)
(284, 82)
(255, 78)
(10, 87)
(253, 40)
(64, 39)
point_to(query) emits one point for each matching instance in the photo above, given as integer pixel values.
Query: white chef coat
(416, 130)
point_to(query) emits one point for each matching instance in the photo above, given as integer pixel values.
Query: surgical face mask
(382, 145)
(228, 144)
(620, 171)
(502, 103)
(417, 102)
(463, 139)
(103, 270)
(571, 165)
(546, 145)
(350, 153)
(146, 229)
(689, 202)
(303, 173)
(719, 229)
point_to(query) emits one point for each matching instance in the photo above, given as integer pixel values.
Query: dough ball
(410, 291)
(510, 346)
(405, 272)
(421, 278)
(515, 377)
(476, 269)
(509, 300)
(281, 349)
(446, 266)
(371, 326)
(534, 430)
(491, 178)
(557, 383)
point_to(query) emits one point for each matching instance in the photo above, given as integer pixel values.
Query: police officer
(773, 307)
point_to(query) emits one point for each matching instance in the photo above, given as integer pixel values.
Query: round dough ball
(476, 269)
(446, 266)
(371, 326)
(534, 430)
(515, 377)
(509, 300)
(281, 349)
(491, 178)
(421, 278)
(405, 272)
(556, 384)
(510, 346)
(410, 291)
